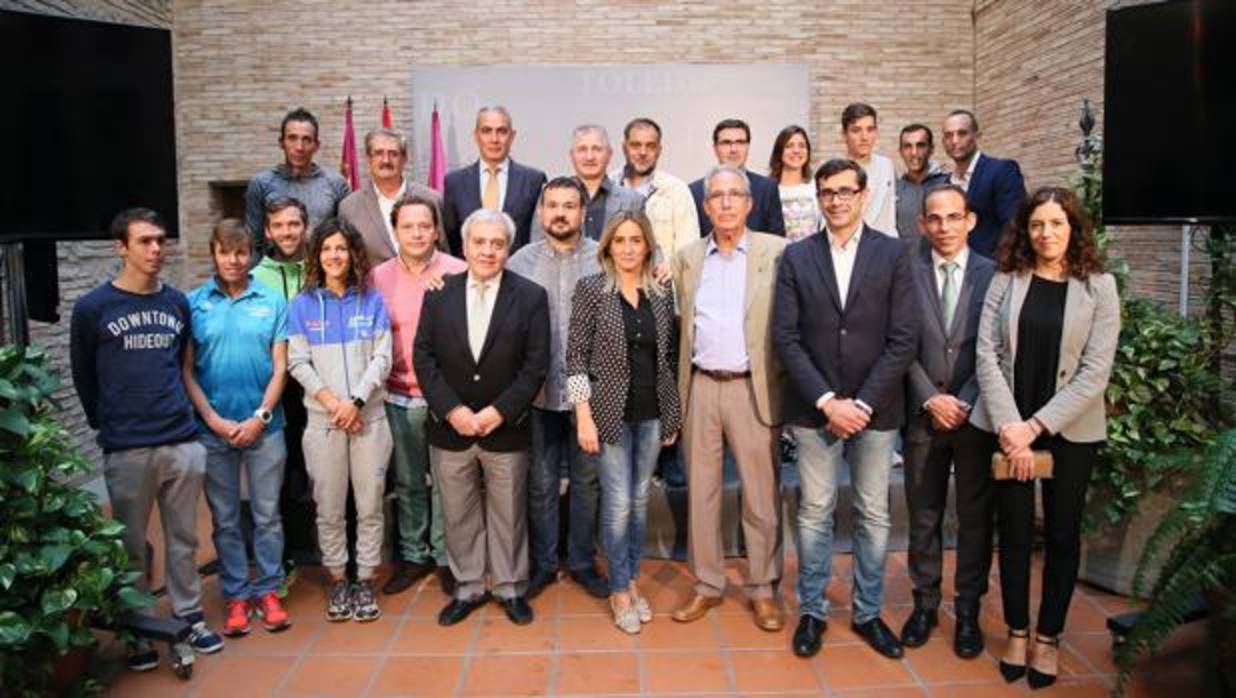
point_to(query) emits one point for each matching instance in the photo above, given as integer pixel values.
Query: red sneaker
(270, 609)
(237, 623)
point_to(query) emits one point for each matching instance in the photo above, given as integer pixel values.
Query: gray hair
(488, 215)
(386, 133)
(587, 129)
(723, 169)
(497, 109)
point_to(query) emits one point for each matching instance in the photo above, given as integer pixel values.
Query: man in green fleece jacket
(282, 269)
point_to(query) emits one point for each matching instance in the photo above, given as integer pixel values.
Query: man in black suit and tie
(494, 181)
(950, 284)
(731, 141)
(481, 354)
(844, 327)
(994, 188)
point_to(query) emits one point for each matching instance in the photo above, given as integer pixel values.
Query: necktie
(490, 198)
(478, 321)
(949, 294)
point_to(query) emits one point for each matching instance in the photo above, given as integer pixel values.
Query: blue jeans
(625, 471)
(820, 456)
(263, 462)
(554, 439)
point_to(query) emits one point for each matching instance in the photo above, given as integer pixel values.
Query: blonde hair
(646, 279)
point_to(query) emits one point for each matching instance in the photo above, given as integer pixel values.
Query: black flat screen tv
(87, 120)
(1169, 113)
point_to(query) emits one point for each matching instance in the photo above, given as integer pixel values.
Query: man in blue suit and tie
(994, 187)
(731, 141)
(494, 181)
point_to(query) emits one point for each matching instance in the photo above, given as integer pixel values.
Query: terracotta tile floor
(571, 649)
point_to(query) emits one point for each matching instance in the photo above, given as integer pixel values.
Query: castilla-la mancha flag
(348, 165)
(437, 156)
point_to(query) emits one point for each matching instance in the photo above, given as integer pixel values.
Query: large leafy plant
(62, 563)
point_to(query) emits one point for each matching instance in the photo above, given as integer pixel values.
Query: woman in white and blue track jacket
(339, 350)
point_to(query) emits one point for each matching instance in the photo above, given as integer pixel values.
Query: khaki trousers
(723, 413)
(484, 512)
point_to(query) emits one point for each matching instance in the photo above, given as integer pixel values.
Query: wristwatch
(360, 404)
(263, 415)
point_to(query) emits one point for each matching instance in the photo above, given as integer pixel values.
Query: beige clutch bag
(1002, 469)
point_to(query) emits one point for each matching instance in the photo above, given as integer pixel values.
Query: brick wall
(1034, 63)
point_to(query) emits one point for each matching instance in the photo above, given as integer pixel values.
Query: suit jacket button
(842, 331)
(939, 384)
(476, 377)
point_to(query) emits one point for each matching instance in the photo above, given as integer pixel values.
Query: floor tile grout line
(385, 655)
(466, 665)
(301, 657)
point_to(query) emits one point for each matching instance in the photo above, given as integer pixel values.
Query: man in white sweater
(860, 130)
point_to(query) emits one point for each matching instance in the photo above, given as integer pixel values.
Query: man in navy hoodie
(127, 339)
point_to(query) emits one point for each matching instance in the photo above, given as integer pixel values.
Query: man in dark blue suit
(950, 285)
(494, 181)
(845, 328)
(731, 141)
(994, 187)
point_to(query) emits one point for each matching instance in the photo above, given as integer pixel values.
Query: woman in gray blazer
(620, 376)
(1046, 341)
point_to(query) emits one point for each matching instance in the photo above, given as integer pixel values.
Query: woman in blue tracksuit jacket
(339, 350)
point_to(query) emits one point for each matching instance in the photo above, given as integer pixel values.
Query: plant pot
(1110, 557)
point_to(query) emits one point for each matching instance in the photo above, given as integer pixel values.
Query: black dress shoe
(880, 637)
(808, 635)
(538, 581)
(446, 580)
(592, 582)
(459, 609)
(967, 635)
(406, 574)
(518, 610)
(918, 627)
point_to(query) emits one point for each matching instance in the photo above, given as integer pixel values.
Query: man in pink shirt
(402, 280)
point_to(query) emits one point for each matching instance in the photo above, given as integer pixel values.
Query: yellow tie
(490, 198)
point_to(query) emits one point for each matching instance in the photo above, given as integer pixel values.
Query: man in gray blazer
(369, 208)
(590, 156)
(950, 283)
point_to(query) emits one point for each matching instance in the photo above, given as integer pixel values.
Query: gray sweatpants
(172, 475)
(333, 457)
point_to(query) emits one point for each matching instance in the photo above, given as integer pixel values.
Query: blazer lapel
(375, 214)
(457, 312)
(926, 267)
(823, 259)
(757, 266)
(472, 186)
(514, 183)
(1019, 286)
(862, 260)
(963, 302)
(1077, 316)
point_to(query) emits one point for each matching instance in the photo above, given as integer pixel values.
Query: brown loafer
(768, 615)
(695, 607)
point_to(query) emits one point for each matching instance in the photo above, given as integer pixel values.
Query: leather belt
(722, 375)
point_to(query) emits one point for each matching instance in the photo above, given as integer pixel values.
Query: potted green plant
(1201, 563)
(62, 563)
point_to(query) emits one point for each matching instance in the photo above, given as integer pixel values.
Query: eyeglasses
(727, 143)
(718, 196)
(843, 194)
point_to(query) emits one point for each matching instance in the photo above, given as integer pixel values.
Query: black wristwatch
(360, 404)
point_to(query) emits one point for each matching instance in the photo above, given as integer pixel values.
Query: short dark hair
(838, 165)
(730, 123)
(358, 259)
(298, 114)
(946, 187)
(856, 111)
(565, 182)
(966, 113)
(1082, 258)
(638, 122)
(119, 228)
(230, 232)
(434, 213)
(911, 128)
(276, 204)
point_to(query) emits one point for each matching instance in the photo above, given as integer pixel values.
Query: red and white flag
(387, 120)
(437, 154)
